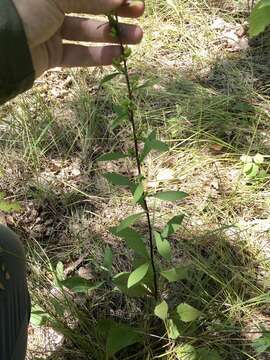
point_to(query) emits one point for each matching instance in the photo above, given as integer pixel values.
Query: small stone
(85, 273)
(76, 172)
(219, 24)
(165, 174)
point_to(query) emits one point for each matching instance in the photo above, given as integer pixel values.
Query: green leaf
(254, 171)
(122, 109)
(109, 77)
(121, 282)
(259, 18)
(147, 145)
(122, 112)
(262, 344)
(130, 220)
(117, 62)
(159, 146)
(186, 352)
(262, 174)
(112, 156)
(248, 168)
(114, 33)
(118, 121)
(58, 306)
(170, 195)
(134, 241)
(60, 271)
(104, 326)
(138, 275)
(163, 246)
(187, 313)
(121, 336)
(117, 179)
(258, 159)
(108, 258)
(152, 136)
(161, 310)
(127, 52)
(80, 285)
(138, 193)
(172, 329)
(172, 226)
(151, 143)
(149, 278)
(205, 353)
(38, 316)
(133, 186)
(175, 274)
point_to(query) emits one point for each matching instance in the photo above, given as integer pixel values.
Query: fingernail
(132, 3)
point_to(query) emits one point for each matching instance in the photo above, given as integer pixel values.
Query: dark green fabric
(16, 68)
(14, 297)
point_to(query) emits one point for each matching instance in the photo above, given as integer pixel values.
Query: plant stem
(137, 155)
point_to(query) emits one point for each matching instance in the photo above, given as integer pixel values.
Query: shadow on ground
(223, 283)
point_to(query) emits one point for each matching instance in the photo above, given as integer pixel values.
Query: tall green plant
(152, 270)
(146, 272)
(146, 277)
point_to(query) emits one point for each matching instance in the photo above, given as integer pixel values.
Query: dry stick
(135, 139)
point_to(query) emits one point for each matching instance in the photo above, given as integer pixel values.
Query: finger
(131, 9)
(89, 6)
(78, 56)
(127, 8)
(81, 29)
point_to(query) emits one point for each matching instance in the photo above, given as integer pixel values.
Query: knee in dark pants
(12, 258)
(14, 297)
(10, 245)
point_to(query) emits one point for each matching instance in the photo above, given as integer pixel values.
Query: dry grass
(209, 101)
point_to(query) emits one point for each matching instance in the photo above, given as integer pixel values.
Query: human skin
(47, 24)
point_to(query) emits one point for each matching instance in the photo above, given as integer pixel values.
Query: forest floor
(209, 101)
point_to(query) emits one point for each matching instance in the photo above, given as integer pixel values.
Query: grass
(211, 106)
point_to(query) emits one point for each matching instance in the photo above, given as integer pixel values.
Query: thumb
(41, 19)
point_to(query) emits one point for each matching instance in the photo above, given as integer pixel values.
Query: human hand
(46, 26)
